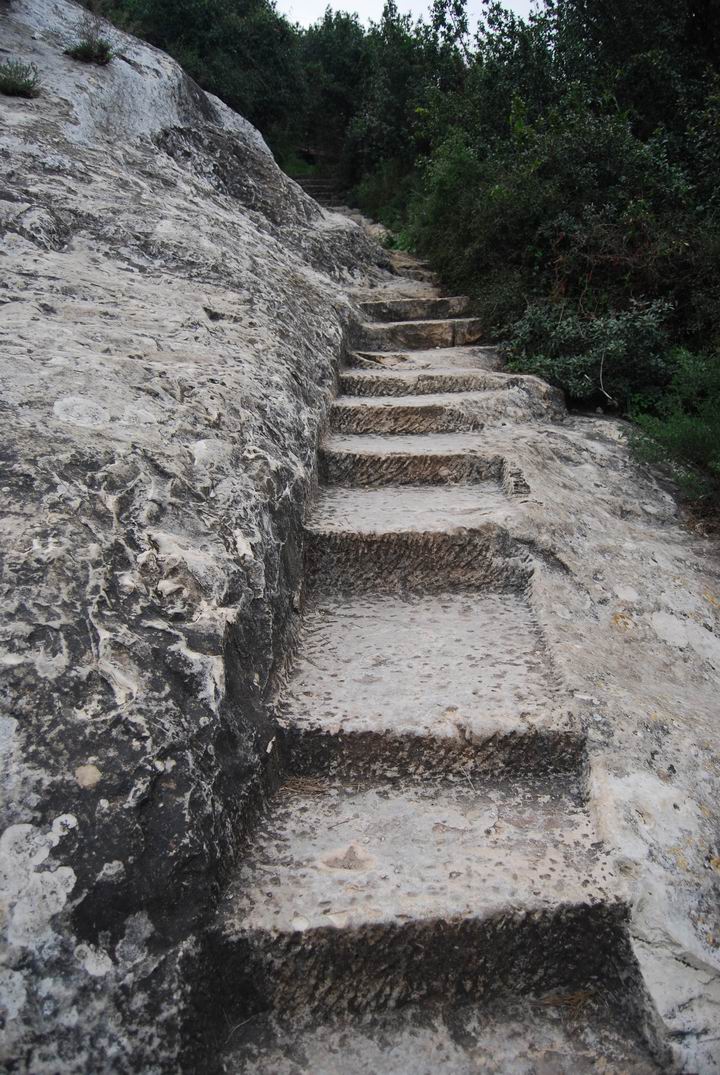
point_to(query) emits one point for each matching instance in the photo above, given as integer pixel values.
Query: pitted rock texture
(440, 655)
(528, 1038)
(171, 313)
(172, 308)
(351, 899)
(420, 685)
(470, 572)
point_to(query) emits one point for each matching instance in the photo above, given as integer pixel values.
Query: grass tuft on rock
(19, 79)
(92, 46)
(99, 52)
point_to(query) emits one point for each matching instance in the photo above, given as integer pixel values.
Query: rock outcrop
(172, 309)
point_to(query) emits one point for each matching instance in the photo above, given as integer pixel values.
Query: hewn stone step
(363, 898)
(411, 267)
(414, 309)
(579, 1032)
(393, 537)
(438, 359)
(430, 459)
(439, 413)
(391, 335)
(417, 459)
(414, 679)
(407, 508)
(382, 382)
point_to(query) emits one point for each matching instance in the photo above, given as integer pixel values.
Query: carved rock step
(389, 510)
(414, 309)
(389, 336)
(439, 358)
(401, 537)
(440, 413)
(367, 382)
(411, 267)
(361, 899)
(577, 1033)
(430, 459)
(446, 412)
(394, 538)
(417, 682)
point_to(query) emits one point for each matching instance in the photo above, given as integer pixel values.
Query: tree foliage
(564, 169)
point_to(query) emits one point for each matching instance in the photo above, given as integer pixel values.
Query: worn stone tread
(412, 444)
(382, 382)
(438, 358)
(560, 1034)
(464, 666)
(344, 856)
(398, 509)
(432, 458)
(436, 413)
(359, 898)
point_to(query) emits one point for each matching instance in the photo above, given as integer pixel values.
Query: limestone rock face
(171, 311)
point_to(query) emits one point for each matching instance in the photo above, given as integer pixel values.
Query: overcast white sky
(307, 11)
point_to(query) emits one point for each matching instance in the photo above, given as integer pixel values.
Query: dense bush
(606, 360)
(19, 79)
(564, 170)
(685, 426)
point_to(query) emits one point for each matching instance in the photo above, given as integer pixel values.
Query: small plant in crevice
(19, 79)
(92, 44)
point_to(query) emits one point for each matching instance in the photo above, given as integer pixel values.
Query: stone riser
(532, 754)
(418, 335)
(332, 973)
(415, 309)
(423, 276)
(484, 558)
(428, 419)
(361, 468)
(421, 385)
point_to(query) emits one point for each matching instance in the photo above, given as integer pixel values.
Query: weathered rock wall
(171, 312)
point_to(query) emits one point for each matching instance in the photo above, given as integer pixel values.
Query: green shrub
(597, 360)
(685, 428)
(19, 79)
(384, 194)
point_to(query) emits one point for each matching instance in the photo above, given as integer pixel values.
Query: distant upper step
(423, 333)
(415, 309)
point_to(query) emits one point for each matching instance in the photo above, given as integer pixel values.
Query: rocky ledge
(172, 309)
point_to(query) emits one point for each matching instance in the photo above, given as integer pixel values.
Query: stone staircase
(325, 189)
(427, 892)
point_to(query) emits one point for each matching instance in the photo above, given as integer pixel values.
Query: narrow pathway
(427, 893)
